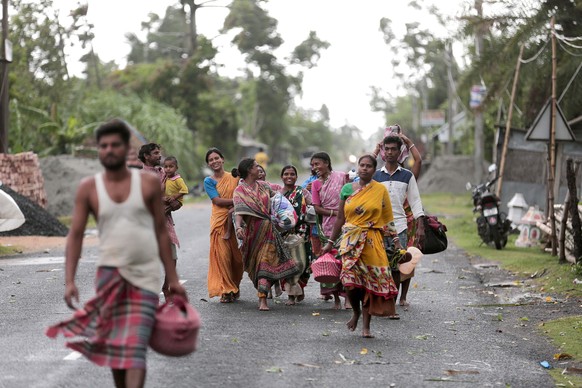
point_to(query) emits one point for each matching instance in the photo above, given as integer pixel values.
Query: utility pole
(450, 97)
(478, 138)
(552, 146)
(4, 85)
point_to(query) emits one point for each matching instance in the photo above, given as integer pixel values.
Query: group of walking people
(369, 220)
(366, 219)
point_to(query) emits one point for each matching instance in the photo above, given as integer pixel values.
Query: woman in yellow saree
(225, 268)
(364, 213)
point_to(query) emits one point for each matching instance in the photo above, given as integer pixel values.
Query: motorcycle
(492, 225)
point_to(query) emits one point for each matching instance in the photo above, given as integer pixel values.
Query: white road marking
(73, 356)
(43, 260)
(34, 261)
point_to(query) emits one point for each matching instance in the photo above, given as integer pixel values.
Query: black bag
(435, 237)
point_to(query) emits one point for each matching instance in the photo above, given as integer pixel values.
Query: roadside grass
(543, 270)
(9, 250)
(66, 220)
(456, 212)
(566, 334)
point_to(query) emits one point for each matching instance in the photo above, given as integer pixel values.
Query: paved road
(447, 328)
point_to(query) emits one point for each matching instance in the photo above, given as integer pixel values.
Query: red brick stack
(22, 173)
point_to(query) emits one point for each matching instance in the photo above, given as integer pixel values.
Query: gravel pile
(447, 174)
(62, 175)
(39, 222)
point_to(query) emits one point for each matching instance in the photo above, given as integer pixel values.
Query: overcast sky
(357, 58)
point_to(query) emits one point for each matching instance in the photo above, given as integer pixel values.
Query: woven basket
(326, 269)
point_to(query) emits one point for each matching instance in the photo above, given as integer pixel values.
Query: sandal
(394, 317)
(226, 298)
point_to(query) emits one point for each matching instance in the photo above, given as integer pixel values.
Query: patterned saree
(364, 262)
(266, 259)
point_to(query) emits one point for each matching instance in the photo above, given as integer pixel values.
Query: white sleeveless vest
(127, 236)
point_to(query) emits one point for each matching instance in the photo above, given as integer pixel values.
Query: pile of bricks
(22, 173)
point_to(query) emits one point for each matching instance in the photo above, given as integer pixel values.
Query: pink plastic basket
(175, 332)
(326, 269)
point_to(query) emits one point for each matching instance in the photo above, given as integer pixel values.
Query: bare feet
(337, 303)
(263, 304)
(353, 323)
(347, 304)
(290, 301)
(300, 297)
(404, 304)
(366, 333)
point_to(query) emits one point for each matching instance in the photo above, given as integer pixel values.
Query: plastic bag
(282, 213)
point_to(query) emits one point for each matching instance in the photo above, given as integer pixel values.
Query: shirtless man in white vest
(127, 205)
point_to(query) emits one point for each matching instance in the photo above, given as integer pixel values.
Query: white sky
(357, 58)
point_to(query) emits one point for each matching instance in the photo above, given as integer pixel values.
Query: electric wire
(568, 50)
(524, 61)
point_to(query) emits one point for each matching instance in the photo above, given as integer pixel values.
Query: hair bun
(235, 173)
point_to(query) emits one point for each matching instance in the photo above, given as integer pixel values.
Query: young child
(174, 186)
(174, 190)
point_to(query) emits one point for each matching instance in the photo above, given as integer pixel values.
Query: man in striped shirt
(401, 186)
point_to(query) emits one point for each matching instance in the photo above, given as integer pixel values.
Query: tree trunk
(192, 30)
(573, 208)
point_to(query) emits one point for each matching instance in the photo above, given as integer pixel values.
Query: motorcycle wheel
(495, 237)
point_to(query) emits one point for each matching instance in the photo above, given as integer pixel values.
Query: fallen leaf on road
(325, 334)
(306, 365)
(549, 299)
(315, 314)
(415, 285)
(44, 270)
(364, 351)
(235, 340)
(499, 317)
(422, 337)
(453, 372)
(563, 356)
(274, 370)
(524, 319)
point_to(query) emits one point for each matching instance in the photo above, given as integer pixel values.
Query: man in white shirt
(401, 186)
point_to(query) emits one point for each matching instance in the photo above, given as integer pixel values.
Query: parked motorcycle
(492, 225)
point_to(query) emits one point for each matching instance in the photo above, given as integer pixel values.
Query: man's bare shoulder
(87, 184)
(149, 177)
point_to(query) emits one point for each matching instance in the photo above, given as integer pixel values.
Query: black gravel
(39, 222)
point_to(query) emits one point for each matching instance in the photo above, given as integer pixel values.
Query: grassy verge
(66, 220)
(11, 250)
(566, 334)
(455, 211)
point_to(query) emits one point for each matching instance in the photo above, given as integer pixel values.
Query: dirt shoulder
(40, 244)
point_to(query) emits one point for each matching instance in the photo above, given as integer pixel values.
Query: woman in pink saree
(325, 196)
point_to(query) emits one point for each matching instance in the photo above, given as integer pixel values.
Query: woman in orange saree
(225, 268)
(364, 212)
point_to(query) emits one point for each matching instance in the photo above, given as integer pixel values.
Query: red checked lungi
(117, 322)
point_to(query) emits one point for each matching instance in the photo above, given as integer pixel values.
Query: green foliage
(309, 51)
(159, 123)
(258, 29)
(565, 333)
